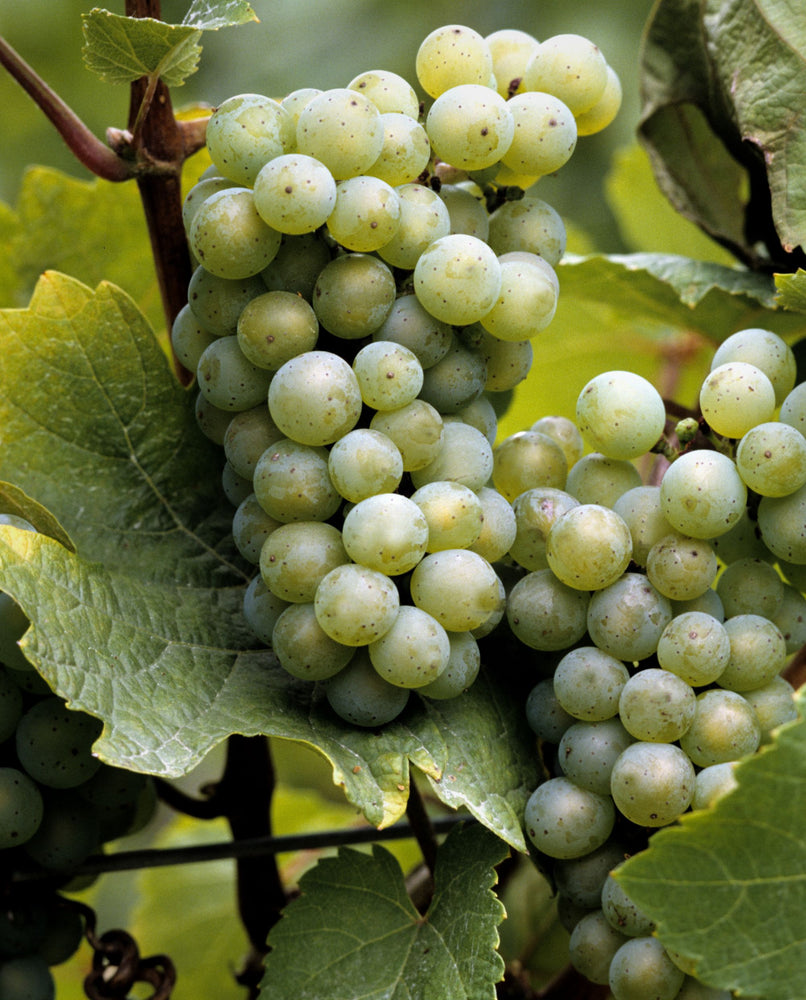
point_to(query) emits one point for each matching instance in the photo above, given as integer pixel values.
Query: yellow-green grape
(249, 433)
(656, 706)
(595, 478)
(712, 784)
(604, 111)
(725, 728)
(627, 618)
(413, 327)
(405, 152)
(22, 807)
(511, 50)
(782, 522)
(640, 507)
(479, 414)
(456, 380)
(364, 462)
(459, 588)
(245, 132)
(774, 705)
(526, 303)
(771, 459)
(565, 821)
(389, 375)
(366, 214)
(386, 532)
(570, 67)
(229, 237)
(388, 91)
(314, 398)
(695, 647)
(424, 218)
(592, 945)
(228, 380)
(292, 483)
(707, 603)
(751, 586)
(275, 327)
(189, 338)
(565, 432)
(413, 652)
(544, 613)
(793, 408)
(450, 56)
(359, 695)
(791, 619)
(342, 129)
(198, 194)
(464, 661)
(757, 653)
(295, 557)
(545, 134)
(742, 540)
(416, 429)
(508, 361)
(453, 513)
(652, 784)
(536, 510)
(296, 101)
(735, 397)
(589, 547)
(353, 295)
(465, 457)
(642, 968)
(356, 605)
(528, 460)
(588, 683)
(620, 414)
(702, 494)
(457, 279)
(498, 526)
(680, 567)
(470, 126)
(251, 526)
(468, 213)
(586, 752)
(295, 193)
(297, 265)
(767, 351)
(304, 649)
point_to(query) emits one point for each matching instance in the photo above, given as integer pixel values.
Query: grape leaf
(354, 923)
(737, 868)
(791, 291)
(209, 15)
(14, 501)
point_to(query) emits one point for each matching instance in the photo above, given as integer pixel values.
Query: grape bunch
(668, 612)
(369, 279)
(58, 805)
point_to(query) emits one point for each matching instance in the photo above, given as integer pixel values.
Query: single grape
(295, 557)
(782, 523)
(652, 783)
(189, 338)
(21, 807)
(297, 265)
(791, 619)
(246, 131)
(26, 977)
(388, 91)
(604, 112)
(228, 380)
(453, 513)
(498, 526)
(405, 151)
(413, 652)
(229, 237)
(511, 50)
(592, 945)
(530, 225)
(297, 99)
(588, 751)
(218, 302)
(353, 295)
(793, 408)
(544, 713)
(641, 968)
(536, 511)
(389, 375)
(356, 605)
(275, 327)
(771, 459)
(366, 214)
(620, 414)
(589, 547)
(725, 728)
(545, 134)
(416, 429)
(656, 706)
(261, 609)
(457, 279)
(735, 397)
(640, 509)
(386, 532)
(359, 695)
(528, 460)
(342, 129)
(695, 647)
(565, 432)
(774, 704)
(595, 478)
(764, 349)
(750, 586)
(588, 683)
(464, 662)
(581, 879)
(411, 326)
(292, 483)
(470, 126)
(702, 494)
(303, 648)
(570, 67)
(251, 526)
(565, 821)
(331, 394)
(450, 56)
(456, 380)
(627, 618)
(457, 587)
(527, 300)
(249, 433)
(54, 744)
(621, 912)
(544, 613)
(68, 834)
(467, 210)
(364, 462)
(424, 218)
(465, 456)
(757, 653)
(713, 783)
(198, 194)
(236, 487)
(680, 567)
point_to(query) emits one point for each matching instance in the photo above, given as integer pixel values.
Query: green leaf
(14, 501)
(355, 924)
(743, 859)
(791, 291)
(209, 15)
(122, 49)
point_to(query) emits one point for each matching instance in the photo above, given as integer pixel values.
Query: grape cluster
(58, 805)
(669, 612)
(369, 277)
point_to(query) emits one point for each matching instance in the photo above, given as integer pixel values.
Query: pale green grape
(413, 652)
(467, 211)
(295, 193)
(707, 603)
(457, 279)
(359, 695)
(211, 421)
(680, 567)
(386, 532)
(507, 362)
(450, 56)
(565, 821)
(764, 349)
(529, 225)
(702, 494)
(757, 653)
(526, 302)
(217, 302)
(528, 460)
(735, 397)
(456, 380)
(416, 429)
(314, 398)
(245, 132)
(498, 526)
(21, 807)
(229, 238)
(424, 218)
(198, 194)
(275, 327)
(303, 649)
(511, 50)
(627, 618)
(545, 134)
(546, 614)
(366, 214)
(641, 968)
(236, 487)
(465, 457)
(725, 728)
(389, 375)
(459, 588)
(388, 91)
(592, 945)
(774, 704)
(742, 541)
(581, 879)
(640, 508)
(656, 706)
(589, 547)
(342, 129)
(405, 151)
(652, 783)
(782, 523)
(54, 744)
(364, 462)
(251, 526)
(295, 557)
(353, 295)
(249, 433)
(291, 483)
(602, 113)
(695, 647)
(189, 338)
(595, 478)
(771, 459)
(750, 586)
(588, 750)
(791, 619)
(356, 605)
(297, 264)
(570, 67)
(261, 609)
(713, 783)
(793, 408)
(480, 413)
(296, 101)
(536, 510)
(621, 912)
(453, 513)
(588, 683)
(470, 126)
(411, 326)
(620, 414)
(547, 719)
(565, 432)
(228, 380)
(464, 662)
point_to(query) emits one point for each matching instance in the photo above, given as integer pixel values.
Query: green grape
(386, 532)
(292, 483)
(456, 380)
(791, 619)
(545, 134)
(735, 397)
(413, 652)
(641, 968)
(295, 193)
(564, 821)
(416, 429)
(480, 413)
(589, 547)
(508, 363)
(218, 302)
(652, 783)
(588, 683)
(793, 408)
(389, 375)
(750, 586)
(680, 567)
(68, 834)
(569, 914)
(228, 380)
(526, 302)
(498, 526)
(10, 704)
(54, 744)
(261, 609)
(465, 457)
(495, 619)
(529, 225)
(640, 509)
(713, 783)
(424, 218)
(565, 432)
(707, 603)
(295, 557)
(774, 704)
(342, 129)
(588, 751)
(620, 414)
(781, 521)
(450, 56)
(656, 706)
(621, 912)
(303, 648)
(467, 211)
(464, 662)
(536, 510)
(604, 112)
(26, 977)
(297, 265)
(570, 67)
(457, 587)
(65, 932)
(544, 613)
(366, 214)
(405, 152)
(595, 478)
(592, 945)
(296, 101)
(771, 459)
(725, 728)
(528, 460)
(365, 462)
(742, 541)
(315, 398)
(511, 50)
(695, 647)
(757, 653)
(767, 351)
(275, 327)
(229, 237)
(189, 338)
(453, 513)
(359, 695)
(236, 488)
(702, 494)
(21, 807)
(627, 618)
(114, 794)
(470, 126)
(581, 879)
(411, 326)
(198, 194)
(457, 278)
(353, 295)
(387, 91)
(547, 719)
(356, 605)
(249, 433)
(245, 132)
